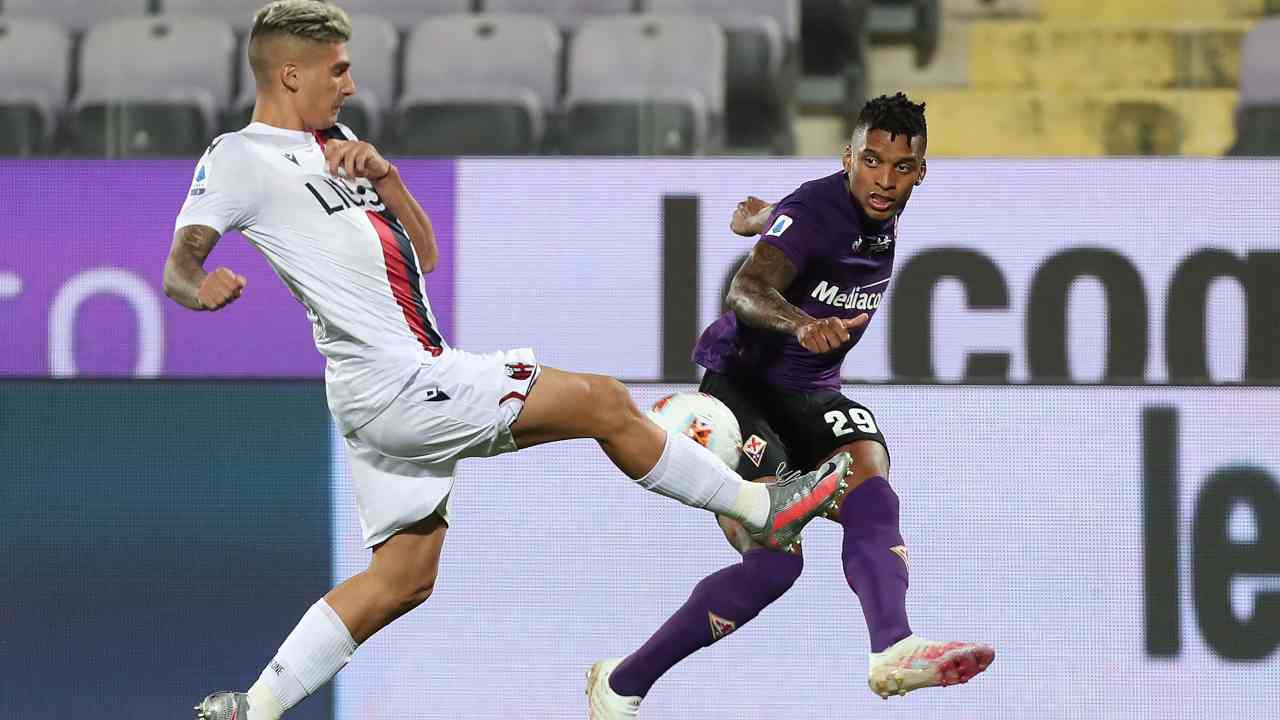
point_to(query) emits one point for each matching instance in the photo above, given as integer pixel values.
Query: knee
(409, 595)
(404, 587)
(870, 459)
(775, 571)
(610, 405)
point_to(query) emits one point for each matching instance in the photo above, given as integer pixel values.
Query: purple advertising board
(82, 251)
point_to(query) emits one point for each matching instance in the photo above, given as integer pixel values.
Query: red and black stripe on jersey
(402, 266)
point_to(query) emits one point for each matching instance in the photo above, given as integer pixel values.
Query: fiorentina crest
(753, 448)
(719, 626)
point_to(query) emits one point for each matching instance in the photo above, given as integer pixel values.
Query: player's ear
(289, 76)
(924, 169)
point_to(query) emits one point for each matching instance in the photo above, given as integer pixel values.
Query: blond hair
(313, 20)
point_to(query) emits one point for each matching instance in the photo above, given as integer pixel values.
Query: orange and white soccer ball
(705, 419)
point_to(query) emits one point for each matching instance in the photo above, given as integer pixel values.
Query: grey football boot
(795, 500)
(223, 705)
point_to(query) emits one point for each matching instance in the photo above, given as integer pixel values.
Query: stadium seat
(478, 85)
(75, 15)
(645, 85)
(1258, 111)
(912, 22)
(372, 50)
(762, 62)
(406, 14)
(152, 86)
(833, 55)
(1256, 131)
(567, 14)
(238, 13)
(834, 35)
(33, 83)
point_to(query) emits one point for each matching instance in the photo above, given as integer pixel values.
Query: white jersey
(341, 253)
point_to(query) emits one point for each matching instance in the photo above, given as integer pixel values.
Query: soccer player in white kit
(345, 235)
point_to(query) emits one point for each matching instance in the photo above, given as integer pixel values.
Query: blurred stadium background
(1077, 369)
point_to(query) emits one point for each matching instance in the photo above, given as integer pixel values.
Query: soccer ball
(705, 419)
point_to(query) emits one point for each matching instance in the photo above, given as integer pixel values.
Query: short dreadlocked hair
(896, 115)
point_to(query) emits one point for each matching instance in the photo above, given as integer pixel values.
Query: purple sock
(722, 602)
(875, 560)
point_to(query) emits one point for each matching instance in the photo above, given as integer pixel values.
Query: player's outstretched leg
(876, 567)
(720, 604)
(400, 577)
(563, 406)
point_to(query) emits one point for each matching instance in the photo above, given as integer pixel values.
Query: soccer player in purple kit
(799, 303)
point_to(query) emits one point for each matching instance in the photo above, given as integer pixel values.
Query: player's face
(883, 171)
(325, 80)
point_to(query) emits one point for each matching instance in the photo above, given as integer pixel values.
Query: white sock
(690, 473)
(313, 653)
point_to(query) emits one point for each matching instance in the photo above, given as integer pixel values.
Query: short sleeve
(221, 195)
(795, 231)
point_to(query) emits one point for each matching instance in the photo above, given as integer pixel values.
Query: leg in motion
(400, 577)
(564, 405)
(723, 601)
(876, 566)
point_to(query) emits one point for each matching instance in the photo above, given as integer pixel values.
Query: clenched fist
(357, 158)
(828, 334)
(219, 288)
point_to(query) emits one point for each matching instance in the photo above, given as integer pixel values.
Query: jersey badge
(754, 449)
(780, 226)
(434, 395)
(201, 182)
(873, 244)
(520, 371)
(291, 158)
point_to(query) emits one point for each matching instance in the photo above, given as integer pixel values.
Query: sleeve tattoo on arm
(756, 293)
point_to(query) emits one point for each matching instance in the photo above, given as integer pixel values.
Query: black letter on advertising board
(679, 286)
(1185, 314)
(1126, 315)
(1160, 530)
(911, 320)
(1216, 559)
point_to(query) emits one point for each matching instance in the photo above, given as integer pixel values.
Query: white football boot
(913, 663)
(602, 702)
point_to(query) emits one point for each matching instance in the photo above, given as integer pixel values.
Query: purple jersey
(843, 261)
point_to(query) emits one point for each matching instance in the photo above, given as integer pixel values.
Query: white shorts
(456, 406)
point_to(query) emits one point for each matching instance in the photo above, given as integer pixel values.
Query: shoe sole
(955, 668)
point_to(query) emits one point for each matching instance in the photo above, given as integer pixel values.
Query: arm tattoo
(184, 270)
(756, 293)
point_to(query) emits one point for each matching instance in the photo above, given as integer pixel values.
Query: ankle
(263, 703)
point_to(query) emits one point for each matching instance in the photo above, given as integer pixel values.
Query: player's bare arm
(750, 216)
(362, 160)
(185, 279)
(756, 298)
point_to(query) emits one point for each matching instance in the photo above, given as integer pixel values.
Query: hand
(750, 216)
(357, 159)
(219, 288)
(828, 334)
